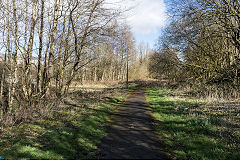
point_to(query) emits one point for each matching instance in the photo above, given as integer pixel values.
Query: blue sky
(147, 19)
(150, 38)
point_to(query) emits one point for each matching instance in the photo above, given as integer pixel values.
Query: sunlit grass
(89, 86)
(71, 132)
(186, 135)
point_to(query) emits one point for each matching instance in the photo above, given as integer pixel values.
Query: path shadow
(131, 134)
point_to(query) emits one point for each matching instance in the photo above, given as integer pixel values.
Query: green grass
(72, 131)
(186, 134)
(89, 87)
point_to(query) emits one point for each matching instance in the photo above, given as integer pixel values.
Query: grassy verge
(73, 131)
(193, 129)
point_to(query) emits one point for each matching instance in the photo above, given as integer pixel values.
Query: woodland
(200, 47)
(46, 46)
(53, 50)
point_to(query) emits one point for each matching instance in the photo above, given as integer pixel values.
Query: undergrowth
(72, 131)
(194, 129)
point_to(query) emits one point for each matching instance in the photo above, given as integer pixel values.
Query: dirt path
(131, 134)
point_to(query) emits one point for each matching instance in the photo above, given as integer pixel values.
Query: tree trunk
(53, 41)
(40, 47)
(28, 57)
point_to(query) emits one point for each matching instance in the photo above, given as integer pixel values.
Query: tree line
(47, 45)
(200, 47)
